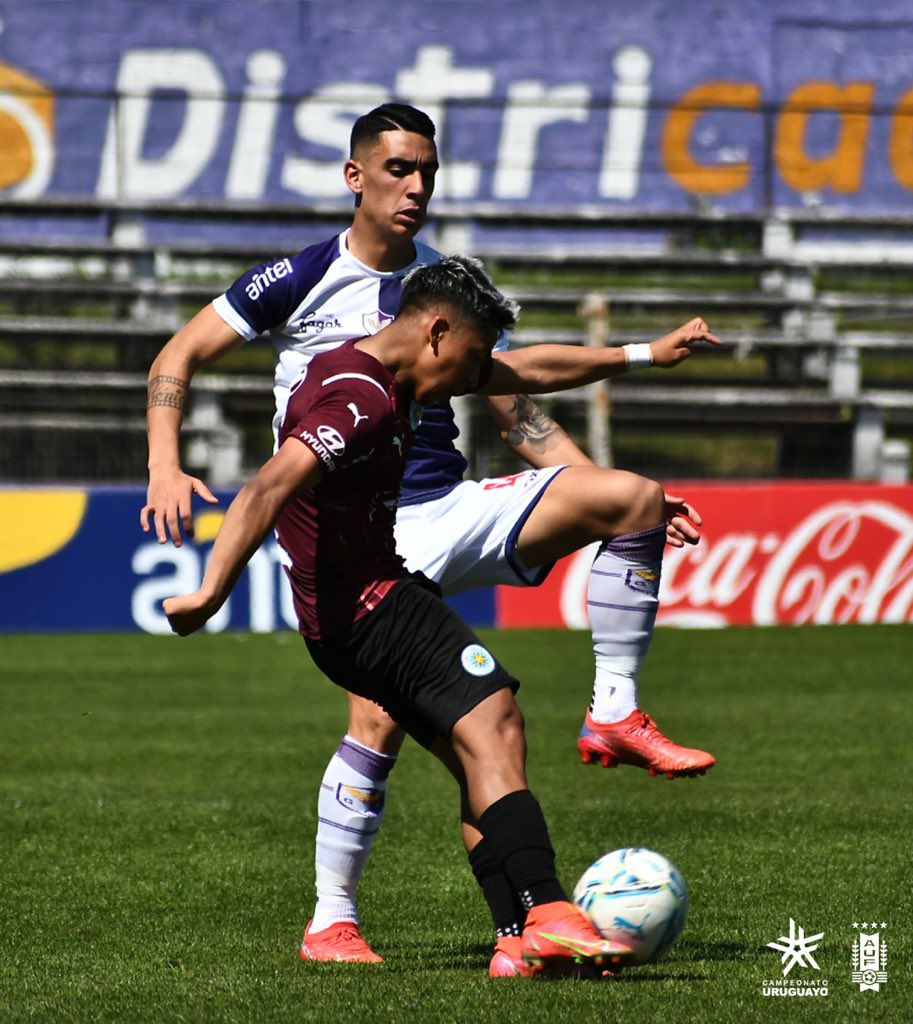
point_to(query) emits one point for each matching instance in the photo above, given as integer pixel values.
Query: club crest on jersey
(332, 439)
(373, 322)
(644, 580)
(369, 802)
(477, 661)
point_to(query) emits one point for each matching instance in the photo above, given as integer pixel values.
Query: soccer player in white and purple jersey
(460, 533)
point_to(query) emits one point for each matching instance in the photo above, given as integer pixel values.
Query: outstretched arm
(203, 340)
(539, 369)
(249, 519)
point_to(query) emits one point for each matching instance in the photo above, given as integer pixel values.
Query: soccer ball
(637, 897)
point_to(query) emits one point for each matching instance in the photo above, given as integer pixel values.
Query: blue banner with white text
(660, 105)
(76, 560)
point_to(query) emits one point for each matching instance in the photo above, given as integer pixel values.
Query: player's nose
(417, 188)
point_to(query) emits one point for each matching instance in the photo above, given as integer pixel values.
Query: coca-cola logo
(844, 561)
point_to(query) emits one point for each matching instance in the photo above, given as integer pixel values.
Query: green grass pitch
(157, 804)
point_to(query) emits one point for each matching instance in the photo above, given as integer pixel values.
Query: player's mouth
(411, 215)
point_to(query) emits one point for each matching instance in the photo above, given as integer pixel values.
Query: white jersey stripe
(355, 376)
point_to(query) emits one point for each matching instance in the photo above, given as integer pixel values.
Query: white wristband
(638, 355)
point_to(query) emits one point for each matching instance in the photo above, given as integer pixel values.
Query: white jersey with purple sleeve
(315, 301)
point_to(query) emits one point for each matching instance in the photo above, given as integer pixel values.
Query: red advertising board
(770, 554)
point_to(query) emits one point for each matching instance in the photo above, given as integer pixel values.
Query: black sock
(518, 837)
(507, 912)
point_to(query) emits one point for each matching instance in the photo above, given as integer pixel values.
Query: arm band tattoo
(531, 426)
(165, 390)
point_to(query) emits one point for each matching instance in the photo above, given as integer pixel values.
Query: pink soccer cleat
(559, 937)
(341, 942)
(635, 740)
(508, 960)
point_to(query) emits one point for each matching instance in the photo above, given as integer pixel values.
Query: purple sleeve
(267, 295)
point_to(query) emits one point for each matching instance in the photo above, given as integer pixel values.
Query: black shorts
(416, 658)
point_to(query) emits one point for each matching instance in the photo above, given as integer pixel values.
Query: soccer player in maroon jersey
(331, 493)
(461, 533)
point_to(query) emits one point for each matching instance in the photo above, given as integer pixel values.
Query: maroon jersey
(348, 409)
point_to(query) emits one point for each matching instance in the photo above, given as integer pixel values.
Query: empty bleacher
(816, 370)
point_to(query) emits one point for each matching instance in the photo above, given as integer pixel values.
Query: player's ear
(352, 172)
(439, 328)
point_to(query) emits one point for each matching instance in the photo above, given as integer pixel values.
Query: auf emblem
(870, 957)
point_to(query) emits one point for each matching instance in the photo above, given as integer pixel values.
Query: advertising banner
(76, 560)
(770, 554)
(792, 554)
(658, 105)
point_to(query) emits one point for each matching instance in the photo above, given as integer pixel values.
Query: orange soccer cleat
(341, 942)
(507, 961)
(636, 740)
(559, 936)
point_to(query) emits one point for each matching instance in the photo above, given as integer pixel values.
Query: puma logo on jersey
(353, 409)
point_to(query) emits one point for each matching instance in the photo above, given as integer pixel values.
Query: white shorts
(468, 538)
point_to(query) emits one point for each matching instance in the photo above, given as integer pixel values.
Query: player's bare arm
(249, 519)
(203, 340)
(539, 369)
(532, 435)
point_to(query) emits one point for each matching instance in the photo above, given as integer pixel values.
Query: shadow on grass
(476, 957)
(715, 952)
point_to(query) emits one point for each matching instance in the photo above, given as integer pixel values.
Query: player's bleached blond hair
(461, 282)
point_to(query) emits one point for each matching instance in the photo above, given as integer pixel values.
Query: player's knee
(651, 502)
(371, 726)
(630, 503)
(511, 728)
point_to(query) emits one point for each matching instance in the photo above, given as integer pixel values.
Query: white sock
(622, 600)
(350, 810)
(614, 688)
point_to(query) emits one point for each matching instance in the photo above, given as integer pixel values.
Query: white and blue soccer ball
(637, 897)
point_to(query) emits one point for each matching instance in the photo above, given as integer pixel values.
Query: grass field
(157, 806)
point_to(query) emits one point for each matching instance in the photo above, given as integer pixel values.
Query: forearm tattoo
(165, 390)
(531, 426)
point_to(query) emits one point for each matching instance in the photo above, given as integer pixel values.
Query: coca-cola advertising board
(770, 554)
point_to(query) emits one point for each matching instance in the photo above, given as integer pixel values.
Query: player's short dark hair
(461, 282)
(390, 117)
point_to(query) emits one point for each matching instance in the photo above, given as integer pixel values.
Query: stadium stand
(814, 308)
